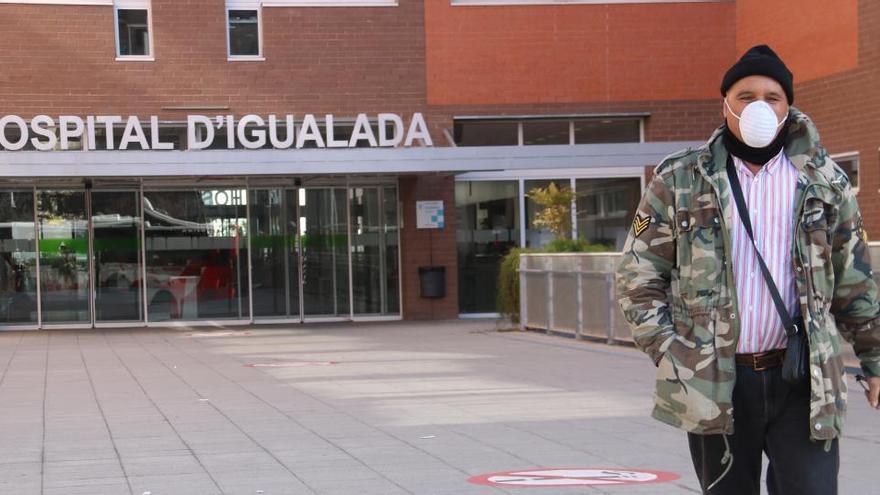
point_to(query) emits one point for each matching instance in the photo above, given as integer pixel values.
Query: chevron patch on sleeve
(640, 224)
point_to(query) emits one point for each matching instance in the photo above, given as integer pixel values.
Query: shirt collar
(769, 168)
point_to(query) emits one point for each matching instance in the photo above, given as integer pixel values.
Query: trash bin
(432, 281)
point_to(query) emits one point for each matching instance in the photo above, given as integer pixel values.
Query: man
(692, 289)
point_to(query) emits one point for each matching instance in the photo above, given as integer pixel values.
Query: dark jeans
(770, 417)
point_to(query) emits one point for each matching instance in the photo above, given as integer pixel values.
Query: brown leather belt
(760, 361)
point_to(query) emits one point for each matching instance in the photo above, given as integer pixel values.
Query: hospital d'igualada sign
(45, 133)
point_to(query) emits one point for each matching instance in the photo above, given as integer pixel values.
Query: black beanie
(760, 60)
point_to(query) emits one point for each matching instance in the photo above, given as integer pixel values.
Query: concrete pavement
(404, 408)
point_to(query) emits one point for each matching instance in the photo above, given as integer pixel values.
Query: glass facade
(122, 256)
(490, 223)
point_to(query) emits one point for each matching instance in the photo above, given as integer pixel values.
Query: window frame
(846, 156)
(134, 5)
(245, 5)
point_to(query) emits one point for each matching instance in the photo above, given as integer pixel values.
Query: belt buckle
(755, 362)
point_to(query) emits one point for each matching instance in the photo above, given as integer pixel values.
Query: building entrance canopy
(32, 164)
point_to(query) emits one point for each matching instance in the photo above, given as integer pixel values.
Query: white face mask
(757, 124)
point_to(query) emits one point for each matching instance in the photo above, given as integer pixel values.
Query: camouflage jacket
(676, 287)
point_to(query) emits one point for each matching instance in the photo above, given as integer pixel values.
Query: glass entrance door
(90, 256)
(64, 257)
(116, 251)
(323, 229)
(374, 250)
(196, 252)
(275, 253)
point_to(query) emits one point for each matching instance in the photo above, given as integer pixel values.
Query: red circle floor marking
(573, 477)
(290, 365)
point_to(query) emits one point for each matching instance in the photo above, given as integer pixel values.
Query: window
(537, 236)
(133, 38)
(486, 133)
(592, 131)
(244, 33)
(605, 209)
(537, 130)
(849, 162)
(546, 132)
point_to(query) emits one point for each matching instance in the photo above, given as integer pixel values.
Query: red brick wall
(61, 59)
(819, 38)
(845, 108)
(428, 247)
(576, 53)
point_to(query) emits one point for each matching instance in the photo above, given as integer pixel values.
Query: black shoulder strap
(787, 322)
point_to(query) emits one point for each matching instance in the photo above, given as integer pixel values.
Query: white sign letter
(154, 136)
(331, 142)
(67, 132)
(22, 136)
(259, 134)
(133, 132)
(384, 120)
(109, 121)
(309, 131)
(289, 136)
(362, 130)
(40, 125)
(192, 138)
(418, 129)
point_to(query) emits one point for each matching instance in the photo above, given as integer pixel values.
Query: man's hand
(872, 389)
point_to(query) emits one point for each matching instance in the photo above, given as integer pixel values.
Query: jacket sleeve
(644, 272)
(854, 304)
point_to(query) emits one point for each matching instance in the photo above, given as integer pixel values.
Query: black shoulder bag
(794, 367)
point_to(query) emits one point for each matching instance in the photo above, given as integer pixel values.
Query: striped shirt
(769, 197)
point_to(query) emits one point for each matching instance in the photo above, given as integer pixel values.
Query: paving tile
(412, 408)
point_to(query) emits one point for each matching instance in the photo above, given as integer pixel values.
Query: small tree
(555, 215)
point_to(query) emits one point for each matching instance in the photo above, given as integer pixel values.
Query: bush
(507, 302)
(508, 285)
